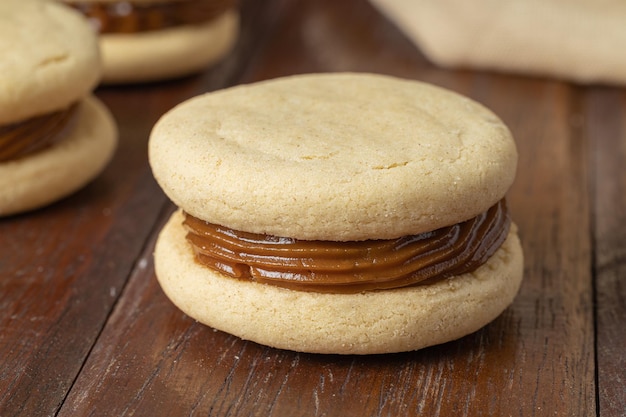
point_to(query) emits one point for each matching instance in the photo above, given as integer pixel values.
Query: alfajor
(151, 40)
(55, 136)
(337, 213)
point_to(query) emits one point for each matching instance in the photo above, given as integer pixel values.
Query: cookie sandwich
(337, 213)
(55, 135)
(151, 40)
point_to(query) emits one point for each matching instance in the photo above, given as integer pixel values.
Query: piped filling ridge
(354, 266)
(27, 137)
(129, 17)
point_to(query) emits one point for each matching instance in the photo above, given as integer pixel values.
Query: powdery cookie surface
(49, 58)
(365, 323)
(333, 157)
(55, 172)
(167, 53)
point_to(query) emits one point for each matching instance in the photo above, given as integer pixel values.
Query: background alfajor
(55, 136)
(335, 157)
(151, 40)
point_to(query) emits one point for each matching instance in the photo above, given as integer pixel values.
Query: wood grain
(606, 129)
(65, 266)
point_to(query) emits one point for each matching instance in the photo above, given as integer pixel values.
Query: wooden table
(86, 330)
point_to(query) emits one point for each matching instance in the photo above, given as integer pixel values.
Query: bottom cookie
(167, 53)
(39, 179)
(375, 322)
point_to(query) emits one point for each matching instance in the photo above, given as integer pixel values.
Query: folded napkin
(579, 40)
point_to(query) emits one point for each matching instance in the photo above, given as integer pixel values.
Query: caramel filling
(128, 17)
(349, 267)
(32, 135)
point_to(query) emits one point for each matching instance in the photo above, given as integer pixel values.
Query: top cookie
(50, 58)
(333, 157)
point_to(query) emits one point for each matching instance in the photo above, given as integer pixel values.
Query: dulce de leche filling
(129, 17)
(32, 135)
(349, 267)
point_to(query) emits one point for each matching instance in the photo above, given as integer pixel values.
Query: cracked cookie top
(342, 156)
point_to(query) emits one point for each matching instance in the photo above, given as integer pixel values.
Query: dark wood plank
(536, 359)
(605, 110)
(549, 202)
(337, 36)
(64, 267)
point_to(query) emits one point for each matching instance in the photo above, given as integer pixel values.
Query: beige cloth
(579, 40)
